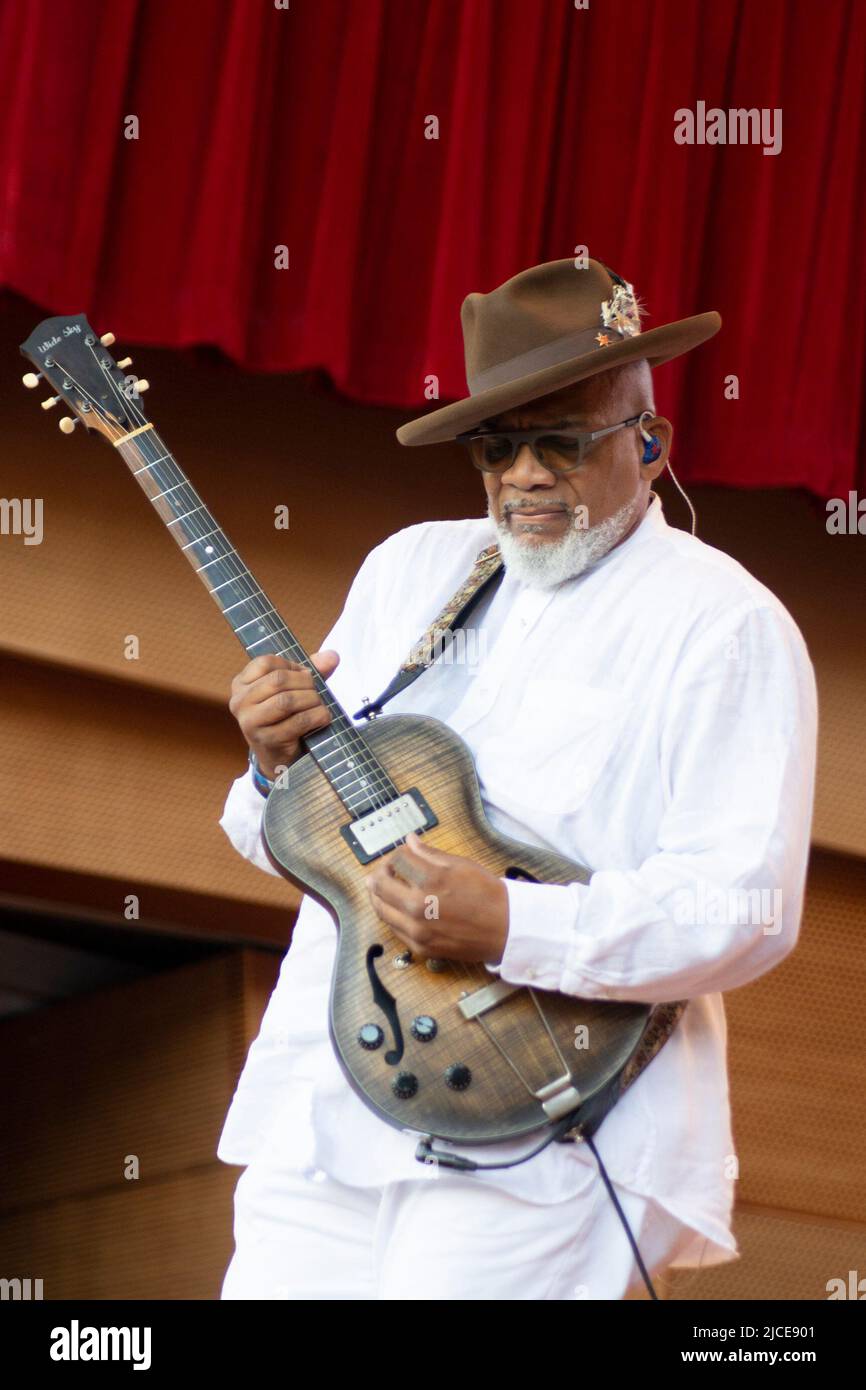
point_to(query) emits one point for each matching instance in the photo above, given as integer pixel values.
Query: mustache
(509, 507)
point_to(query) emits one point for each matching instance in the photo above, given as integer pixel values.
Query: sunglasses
(494, 451)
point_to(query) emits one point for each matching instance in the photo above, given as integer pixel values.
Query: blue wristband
(263, 783)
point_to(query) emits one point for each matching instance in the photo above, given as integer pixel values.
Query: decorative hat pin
(621, 311)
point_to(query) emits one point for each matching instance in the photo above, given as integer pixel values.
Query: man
(642, 705)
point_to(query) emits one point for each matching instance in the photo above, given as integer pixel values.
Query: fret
(328, 755)
(198, 539)
(249, 598)
(250, 620)
(341, 772)
(200, 508)
(362, 781)
(145, 466)
(205, 538)
(233, 580)
(339, 750)
(258, 621)
(360, 796)
(216, 561)
(353, 777)
(174, 520)
(328, 736)
(167, 491)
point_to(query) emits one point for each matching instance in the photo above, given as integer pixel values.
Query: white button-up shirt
(653, 719)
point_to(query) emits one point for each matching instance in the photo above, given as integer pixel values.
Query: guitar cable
(426, 1153)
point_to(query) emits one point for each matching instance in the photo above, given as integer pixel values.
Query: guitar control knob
(424, 1028)
(371, 1036)
(458, 1076)
(437, 966)
(404, 1085)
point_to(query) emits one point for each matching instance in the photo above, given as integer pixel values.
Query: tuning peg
(67, 424)
(107, 339)
(51, 402)
(127, 362)
(141, 387)
(32, 379)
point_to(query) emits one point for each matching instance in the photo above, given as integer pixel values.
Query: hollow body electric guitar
(437, 1048)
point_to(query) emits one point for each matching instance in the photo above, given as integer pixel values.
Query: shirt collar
(651, 524)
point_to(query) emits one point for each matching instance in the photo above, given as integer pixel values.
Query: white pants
(300, 1236)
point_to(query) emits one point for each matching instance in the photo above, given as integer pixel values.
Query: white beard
(543, 564)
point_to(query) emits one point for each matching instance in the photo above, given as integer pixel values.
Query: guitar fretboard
(339, 749)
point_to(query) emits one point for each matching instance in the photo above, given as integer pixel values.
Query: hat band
(537, 359)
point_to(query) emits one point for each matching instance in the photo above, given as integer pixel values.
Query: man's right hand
(275, 703)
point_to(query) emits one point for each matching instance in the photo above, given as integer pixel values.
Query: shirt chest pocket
(553, 752)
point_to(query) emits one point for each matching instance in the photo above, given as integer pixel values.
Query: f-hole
(387, 1003)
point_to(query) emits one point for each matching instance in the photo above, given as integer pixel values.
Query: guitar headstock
(77, 365)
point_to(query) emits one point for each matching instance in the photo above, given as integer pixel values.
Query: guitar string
(380, 785)
(464, 972)
(128, 405)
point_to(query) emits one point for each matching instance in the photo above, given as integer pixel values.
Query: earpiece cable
(685, 496)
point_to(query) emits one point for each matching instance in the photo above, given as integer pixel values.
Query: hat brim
(657, 345)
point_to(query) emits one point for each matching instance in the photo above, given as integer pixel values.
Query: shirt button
(531, 972)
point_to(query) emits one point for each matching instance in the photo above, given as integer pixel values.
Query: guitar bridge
(387, 826)
(559, 1096)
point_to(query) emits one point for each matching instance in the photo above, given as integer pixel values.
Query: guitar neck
(341, 753)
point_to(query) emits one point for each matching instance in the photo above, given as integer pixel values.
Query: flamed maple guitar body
(405, 1075)
(441, 1048)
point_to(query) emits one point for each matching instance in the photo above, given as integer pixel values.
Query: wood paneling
(145, 1069)
(130, 787)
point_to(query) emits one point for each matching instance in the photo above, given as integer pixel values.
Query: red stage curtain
(262, 126)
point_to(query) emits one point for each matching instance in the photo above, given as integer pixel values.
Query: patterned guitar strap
(484, 577)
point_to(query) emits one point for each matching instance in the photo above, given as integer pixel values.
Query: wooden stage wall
(112, 778)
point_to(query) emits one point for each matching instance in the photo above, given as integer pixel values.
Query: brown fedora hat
(543, 329)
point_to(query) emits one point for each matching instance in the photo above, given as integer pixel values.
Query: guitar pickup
(387, 826)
